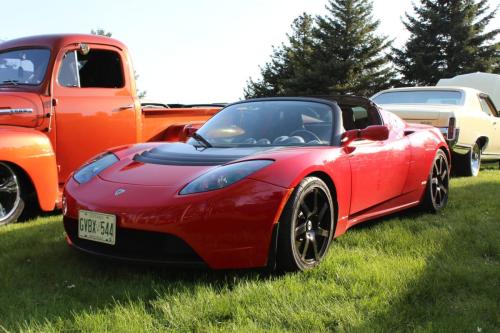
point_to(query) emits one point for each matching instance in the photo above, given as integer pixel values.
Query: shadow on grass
(42, 278)
(459, 289)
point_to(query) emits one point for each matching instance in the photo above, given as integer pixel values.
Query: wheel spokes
(305, 209)
(306, 247)
(322, 232)
(301, 229)
(315, 248)
(9, 186)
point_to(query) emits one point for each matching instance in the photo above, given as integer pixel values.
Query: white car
(467, 118)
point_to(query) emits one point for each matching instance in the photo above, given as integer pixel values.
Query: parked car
(486, 82)
(466, 117)
(63, 99)
(264, 182)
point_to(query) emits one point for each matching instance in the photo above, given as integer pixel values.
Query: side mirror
(372, 133)
(189, 130)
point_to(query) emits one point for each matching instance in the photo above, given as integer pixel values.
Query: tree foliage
(101, 32)
(448, 38)
(339, 52)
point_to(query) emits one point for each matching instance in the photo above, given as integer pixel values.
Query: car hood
(176, 164)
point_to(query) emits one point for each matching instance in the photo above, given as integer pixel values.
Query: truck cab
(64, 99)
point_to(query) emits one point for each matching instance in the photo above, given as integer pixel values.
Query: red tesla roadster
(265, 182)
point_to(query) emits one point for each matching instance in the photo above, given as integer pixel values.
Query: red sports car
(265, 182)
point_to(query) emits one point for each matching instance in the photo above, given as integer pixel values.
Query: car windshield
(440, 97)
(23, 66)
(269, 123)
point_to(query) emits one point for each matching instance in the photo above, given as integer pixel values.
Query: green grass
(413, 272)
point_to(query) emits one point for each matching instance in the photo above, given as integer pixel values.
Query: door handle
(125, 107)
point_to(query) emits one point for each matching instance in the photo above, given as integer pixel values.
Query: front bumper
(228, 228)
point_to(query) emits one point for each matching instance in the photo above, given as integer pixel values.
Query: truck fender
(30, 151)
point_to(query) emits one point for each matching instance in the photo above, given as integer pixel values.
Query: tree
(336, 53)
(351, 57)
(448, 38)
(289, 68)
(101, 32)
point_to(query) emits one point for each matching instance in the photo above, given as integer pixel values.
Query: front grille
(137, 245)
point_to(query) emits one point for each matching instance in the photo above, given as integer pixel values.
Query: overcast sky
(188, 51)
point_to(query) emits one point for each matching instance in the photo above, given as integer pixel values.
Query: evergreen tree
(289, 67)
(448, 38)
(351, 57)
(336, 53)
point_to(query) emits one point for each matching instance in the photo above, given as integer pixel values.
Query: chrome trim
(15, 111)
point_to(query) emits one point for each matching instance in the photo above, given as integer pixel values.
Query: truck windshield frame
(24, 66)
(430, 97)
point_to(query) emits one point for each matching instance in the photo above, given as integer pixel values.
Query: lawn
(412, 272)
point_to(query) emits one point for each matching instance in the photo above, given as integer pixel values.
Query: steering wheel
(312, 135)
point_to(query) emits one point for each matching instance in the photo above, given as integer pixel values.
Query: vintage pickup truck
(64, 99)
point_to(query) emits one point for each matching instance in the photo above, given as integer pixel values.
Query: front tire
(306, 226)
(11, 200)
(437, 189)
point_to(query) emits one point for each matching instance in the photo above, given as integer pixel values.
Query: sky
(189, 51)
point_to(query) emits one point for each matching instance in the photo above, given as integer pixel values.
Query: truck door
(94, 104)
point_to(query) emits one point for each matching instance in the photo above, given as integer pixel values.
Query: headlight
(224, 176)
(93, 168)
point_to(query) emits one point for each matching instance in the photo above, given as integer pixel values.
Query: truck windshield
(23, 66)
(440, 97)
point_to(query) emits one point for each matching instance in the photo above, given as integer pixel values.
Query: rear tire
(470, 164)
(437, 189)
(306, 226)
(11, 199)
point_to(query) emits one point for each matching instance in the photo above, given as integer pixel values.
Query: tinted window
(359, 117)
(266, 123)
(26, 66)
(420, 97)
(97, 69)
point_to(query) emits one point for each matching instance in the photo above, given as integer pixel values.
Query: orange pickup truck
(63, 99)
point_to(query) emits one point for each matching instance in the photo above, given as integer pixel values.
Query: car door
(493, 122)
(93, 104)
(379, 168)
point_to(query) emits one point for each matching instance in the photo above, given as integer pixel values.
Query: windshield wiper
(14, 82)
(201, 140)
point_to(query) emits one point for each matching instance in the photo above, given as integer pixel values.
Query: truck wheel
(436, 191)
(471, 163)
(11, 201)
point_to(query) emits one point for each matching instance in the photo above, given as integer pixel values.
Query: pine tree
(351, 57)
(289, 66)
(448, 38)
(332, 54)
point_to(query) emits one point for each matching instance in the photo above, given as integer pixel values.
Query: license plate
(97, 227)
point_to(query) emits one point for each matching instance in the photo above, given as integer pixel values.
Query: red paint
(232, 227)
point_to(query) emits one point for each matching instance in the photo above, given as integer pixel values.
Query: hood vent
(201, 158)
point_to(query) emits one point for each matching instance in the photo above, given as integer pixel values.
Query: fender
(31, 151)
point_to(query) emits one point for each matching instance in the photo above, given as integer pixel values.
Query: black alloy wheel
(307, 226)
(437, 190)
